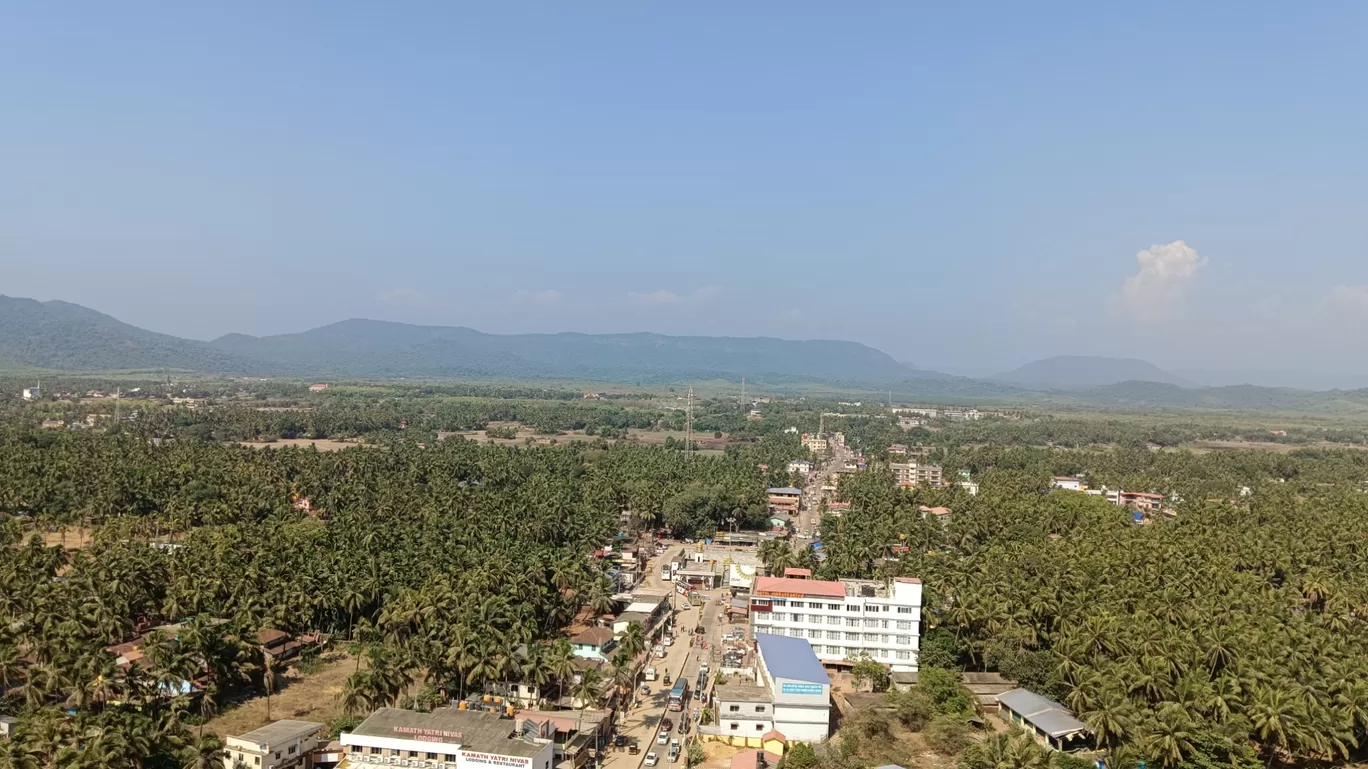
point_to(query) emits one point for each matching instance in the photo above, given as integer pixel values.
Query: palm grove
(1230, 635)
(454, 565)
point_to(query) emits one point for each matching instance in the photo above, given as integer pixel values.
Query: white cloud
(1165, 273)
(654, 298)
(1351, 299)
(707, 292)
(545, 296)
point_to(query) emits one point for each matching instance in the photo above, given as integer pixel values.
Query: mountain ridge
(1083, 372)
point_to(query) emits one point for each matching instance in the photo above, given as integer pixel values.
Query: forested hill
(64, 336)
(359, 347)
(1080, 372)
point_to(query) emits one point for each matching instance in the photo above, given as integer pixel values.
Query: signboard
(800, 688)
(472, 758)
(441, 734)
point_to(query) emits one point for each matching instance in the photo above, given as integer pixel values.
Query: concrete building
(1052, 724)
(596, 643)
(815, 442)
(785, 499)
(800, 688)
(841, 620)
(916, 474)
(791, 694)
(941, 514)
(449, 739)
(800, 466)
(275, 746)
(1067, 483)
(32, 393)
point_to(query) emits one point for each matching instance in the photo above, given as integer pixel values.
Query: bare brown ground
(305, 698)
(323, 444)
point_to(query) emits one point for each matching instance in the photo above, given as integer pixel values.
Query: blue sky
(967, 186)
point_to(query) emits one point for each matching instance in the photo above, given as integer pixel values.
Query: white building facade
(448, 739)
(843, 620)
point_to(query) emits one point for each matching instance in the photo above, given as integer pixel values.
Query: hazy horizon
(965, 189)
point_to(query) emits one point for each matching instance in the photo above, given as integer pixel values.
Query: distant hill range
(1081, 372)
(64, 336)
(60, 336)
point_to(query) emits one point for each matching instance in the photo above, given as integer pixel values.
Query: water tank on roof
(1139, 516)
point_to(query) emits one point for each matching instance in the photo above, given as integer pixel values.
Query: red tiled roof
(270, 635)
(799, 586)
(773, 734)
(751, 759)
(793, 571)
(935, 510)
(908, 580)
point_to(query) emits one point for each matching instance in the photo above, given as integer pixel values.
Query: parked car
(663, 738)
(650, 674)
(668, 640)
(652, 759)
(645, 690)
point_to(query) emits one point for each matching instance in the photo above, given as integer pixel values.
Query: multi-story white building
(842, 620)
(916, 474)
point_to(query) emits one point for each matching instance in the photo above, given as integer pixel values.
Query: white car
(663, 738)
(652, 759)
(668, 640)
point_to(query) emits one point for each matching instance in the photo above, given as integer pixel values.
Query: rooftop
(1044, 714)
(280, 732)
(789, 490)
(792, 658)
(794, 571)
(805, 587)
(754, 759)
(594, 636)
(472, 730)
(741, 693)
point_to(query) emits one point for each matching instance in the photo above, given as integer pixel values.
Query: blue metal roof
(785, 490)
(792, 658)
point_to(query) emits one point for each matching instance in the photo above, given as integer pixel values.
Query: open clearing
(322, 444)
(306, 698)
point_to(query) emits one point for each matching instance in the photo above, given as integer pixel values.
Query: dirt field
(523, 433)
(76, 538)
(322, 444)
(311, 698)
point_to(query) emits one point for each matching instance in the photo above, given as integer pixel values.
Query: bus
(679, 694)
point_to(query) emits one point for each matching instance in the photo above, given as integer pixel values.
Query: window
(852, 636)
(759, 727)
(779, 601)
(293, 748)
(833, 620)
(735, 726)
(904, 655)
(835, 651)
(904, 609)
(814, 634)
(432, 756)
(852, 622)
(871, 623)
(814, 605)
(449, 758)
(798, 618)
(904, 639)
(733, 708)
(759, 708)
(883, 623)
(834, 606)
(374, 751)
(256, 760)
(853, 607)
(904, 624)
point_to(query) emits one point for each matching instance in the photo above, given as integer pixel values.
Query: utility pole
(688, 426)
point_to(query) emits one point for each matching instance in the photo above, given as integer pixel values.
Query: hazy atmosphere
(967, 189)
